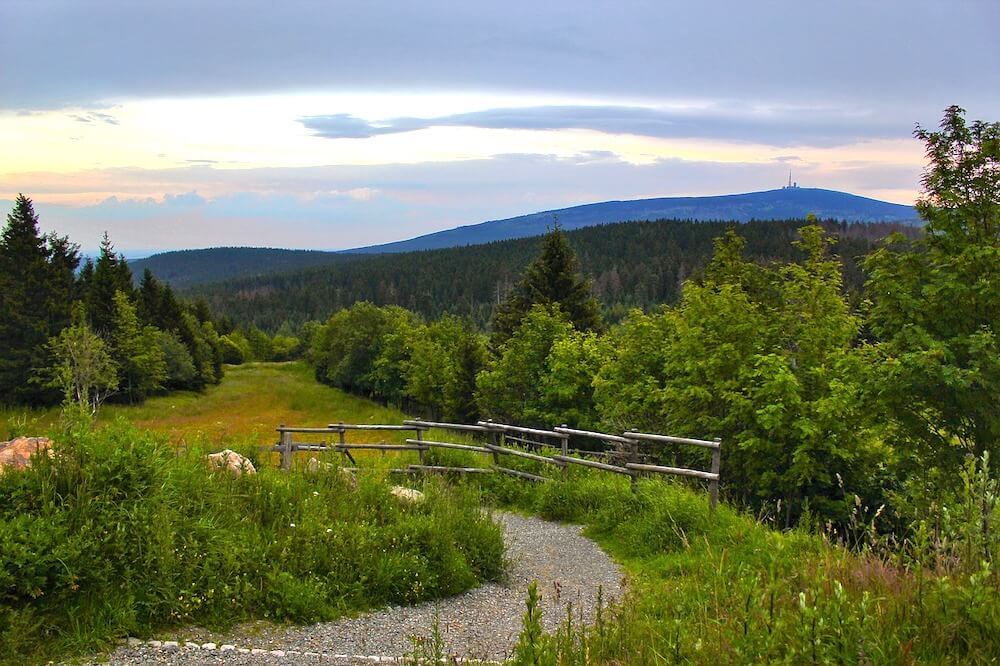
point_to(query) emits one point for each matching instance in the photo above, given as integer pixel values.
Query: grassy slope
(244, 409)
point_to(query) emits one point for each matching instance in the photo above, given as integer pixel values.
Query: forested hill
(184, 268)
(782, 204)
(635, 264)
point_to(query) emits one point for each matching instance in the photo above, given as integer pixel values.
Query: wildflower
(291, 524)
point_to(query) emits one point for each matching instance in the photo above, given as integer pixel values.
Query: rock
(17, 453)
(232, 461)
(133, 642)
(408, 495)
(314, 466)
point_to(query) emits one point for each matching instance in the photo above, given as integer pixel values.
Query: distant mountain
(184, 268)
(782, 204)
(187, 268)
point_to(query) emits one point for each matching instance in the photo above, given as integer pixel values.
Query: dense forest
(86, 334)
(187, 268)
(823, 401)
(631, 264)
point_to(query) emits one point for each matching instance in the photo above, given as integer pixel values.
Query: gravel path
(483, 623)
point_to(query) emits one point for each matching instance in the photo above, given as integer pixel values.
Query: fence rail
(494, 436)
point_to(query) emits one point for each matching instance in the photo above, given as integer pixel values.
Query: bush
(119, 535)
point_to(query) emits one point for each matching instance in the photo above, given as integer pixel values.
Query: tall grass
(726, 588)
(121, 535)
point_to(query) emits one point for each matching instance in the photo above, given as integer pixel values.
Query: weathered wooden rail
(621, 453)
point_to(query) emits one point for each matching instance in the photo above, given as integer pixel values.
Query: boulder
(17, 453)
(233, 462)
(407, 495)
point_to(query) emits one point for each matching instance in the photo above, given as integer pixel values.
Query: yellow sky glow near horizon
(76, 157)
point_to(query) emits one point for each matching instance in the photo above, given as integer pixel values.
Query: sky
(330, 125)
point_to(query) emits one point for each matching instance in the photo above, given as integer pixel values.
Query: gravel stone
(483, 623)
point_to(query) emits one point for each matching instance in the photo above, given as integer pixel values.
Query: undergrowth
(119, 534)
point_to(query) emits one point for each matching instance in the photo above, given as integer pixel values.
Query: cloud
(782, 126)
(343, 206)
(94, 117)
(63, 53)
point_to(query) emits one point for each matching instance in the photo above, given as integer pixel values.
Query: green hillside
(184, 268)
(633, 264)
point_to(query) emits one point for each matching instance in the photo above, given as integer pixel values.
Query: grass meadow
(127, 532)
(252, 400)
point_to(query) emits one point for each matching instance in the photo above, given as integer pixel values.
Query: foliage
(235, 348)
(179, 365)
(763, 358)
(142, 366)
(631, 265)
(36, 293)
(441, 371)
(936, 302)
(84, 370)
(118, 535)
(352, 350)
(542, 374)
(155, 341)
(111, 275)
(552, 279)
(723, 587)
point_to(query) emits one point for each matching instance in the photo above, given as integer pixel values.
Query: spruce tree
(111, 275)
(23, 268)
(135, 349)
(36, 289)
(552, 279)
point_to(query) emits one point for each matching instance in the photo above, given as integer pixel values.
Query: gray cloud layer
(781, 127)
(906, 58)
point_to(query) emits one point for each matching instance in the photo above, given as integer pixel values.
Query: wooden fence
(620, 454)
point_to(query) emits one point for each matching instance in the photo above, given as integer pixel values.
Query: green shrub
(119, 534)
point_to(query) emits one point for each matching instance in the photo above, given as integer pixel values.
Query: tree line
(630, 265)
(819, 397)
(87, 334)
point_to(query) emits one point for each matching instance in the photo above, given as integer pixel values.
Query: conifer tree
(552, 279)
(36, 285)
(137, 352)
(111, 275)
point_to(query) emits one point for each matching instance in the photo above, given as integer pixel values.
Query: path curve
(482, 623)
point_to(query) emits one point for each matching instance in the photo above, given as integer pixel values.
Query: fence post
(713, 485)
(286, 449)
(496, 441)
(420, 437)
(342, 439)
(564, 449)
(633, 456)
